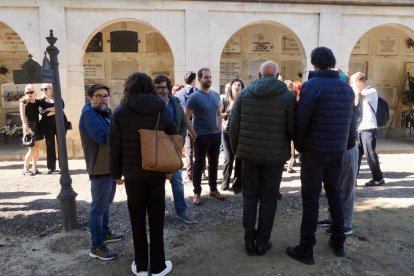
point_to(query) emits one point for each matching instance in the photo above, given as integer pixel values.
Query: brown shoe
(197, 200)
(217, 195)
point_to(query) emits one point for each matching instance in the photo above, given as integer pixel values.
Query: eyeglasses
(29, 92)
(44, 89)
(161, 87)
(100, 96)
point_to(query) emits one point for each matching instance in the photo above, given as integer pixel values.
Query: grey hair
(269, 63)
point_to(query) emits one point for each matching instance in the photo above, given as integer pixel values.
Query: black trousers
(229, 158)
(261, 184)
(49, 130)
(206, 145)
(367, 142)
(146, 195)
(315, 169)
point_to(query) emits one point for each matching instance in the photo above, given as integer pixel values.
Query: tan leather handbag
(160, 152)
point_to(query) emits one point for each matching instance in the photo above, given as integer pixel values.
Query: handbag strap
(157, 124)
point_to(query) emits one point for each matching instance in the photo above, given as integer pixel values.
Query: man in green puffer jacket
(261, 128)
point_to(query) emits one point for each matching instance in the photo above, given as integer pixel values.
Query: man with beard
(205, 129)
(163, 87)
(93, 128)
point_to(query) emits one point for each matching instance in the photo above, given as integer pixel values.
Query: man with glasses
(163, 88)
(93, 127)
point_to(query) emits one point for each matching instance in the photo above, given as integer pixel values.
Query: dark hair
(323, 58)
(200, 72)
(189, 77)
(231, 83)
(137, 83)
(161, 78)
(91, 90)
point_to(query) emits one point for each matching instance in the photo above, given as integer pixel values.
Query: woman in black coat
(139, 109)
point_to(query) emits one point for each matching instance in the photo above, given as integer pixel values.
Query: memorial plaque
(94, 68)
(233, 45)
(229, 69)
(124, 42)
(11, 64)
(121, 69)
(156, 43)
(387, 45)
(253, 67)
(361, 47)
(261, 43)
(10, 41)
(388, 93)
(11, 93)
(386, 71)
(290, 70)
(95, 45)
(358, 66)
(117, 94)
(290, 46)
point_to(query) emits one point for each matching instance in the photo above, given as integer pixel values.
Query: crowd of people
(328, 120)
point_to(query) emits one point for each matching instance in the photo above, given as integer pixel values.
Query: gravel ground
(31, 241)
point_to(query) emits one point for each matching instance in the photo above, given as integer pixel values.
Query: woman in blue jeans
(139, 109)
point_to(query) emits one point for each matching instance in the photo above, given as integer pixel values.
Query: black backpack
(383, 113)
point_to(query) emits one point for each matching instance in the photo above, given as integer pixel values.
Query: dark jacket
(139, 112)
(93, 128)
(179, 116)
(224, 105)
(324, 114)
(262, 122)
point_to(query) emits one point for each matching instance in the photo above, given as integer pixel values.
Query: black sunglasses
(29, 92)
(44, 89)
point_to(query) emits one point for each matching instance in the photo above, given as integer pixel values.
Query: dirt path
(31, 242)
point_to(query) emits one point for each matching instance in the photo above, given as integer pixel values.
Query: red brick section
(393, 3)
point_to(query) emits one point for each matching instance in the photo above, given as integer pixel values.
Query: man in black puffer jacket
(323, 118)
(261, 128)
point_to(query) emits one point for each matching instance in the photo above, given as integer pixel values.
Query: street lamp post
(67, 195)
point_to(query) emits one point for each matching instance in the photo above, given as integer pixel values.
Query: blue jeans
(177, 187)
(103, 192)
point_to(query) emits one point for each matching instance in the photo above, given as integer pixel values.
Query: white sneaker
(167, 270)
(134, 270)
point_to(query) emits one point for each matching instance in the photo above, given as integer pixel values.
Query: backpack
(383, 113)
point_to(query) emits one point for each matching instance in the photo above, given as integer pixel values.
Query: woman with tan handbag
(140, 109)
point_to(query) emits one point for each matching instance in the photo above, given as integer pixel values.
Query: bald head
(269, 68)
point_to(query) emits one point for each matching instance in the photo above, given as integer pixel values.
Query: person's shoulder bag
(160, 152)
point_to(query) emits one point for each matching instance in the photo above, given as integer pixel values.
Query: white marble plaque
(387, 45)
(117, 94)
(94, 68)
(11, 93)
(233, 45)
(10, 41)
(230, 69)
(290, 46)
(261, 43)
(121, 69)
(358, 66)
(253, 67)
(290, 69)
(361, 47)
(386, 71)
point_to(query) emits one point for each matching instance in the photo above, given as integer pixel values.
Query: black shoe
(297, 253)
(325, 223)
(225, 188)
(261, 250)
(49, 171)
(338, 249)
(373, 183)
(236, 190)
(250, 247)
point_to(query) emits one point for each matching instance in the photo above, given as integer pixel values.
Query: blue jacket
(94, 128)
(324, 114)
